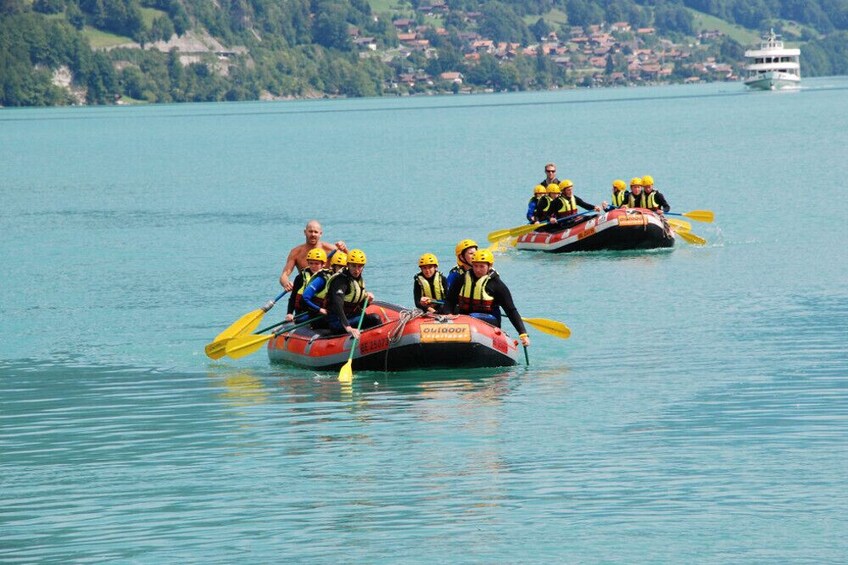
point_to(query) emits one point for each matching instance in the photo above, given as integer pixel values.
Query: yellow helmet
(357, 257)
(428, 259)
(317, 255)
(461, 248)
(566, 184)
(339, 258)
(618, 184)
(553, 188)
(539, 189)
(647, 180)
(635, 181)
(483, 256)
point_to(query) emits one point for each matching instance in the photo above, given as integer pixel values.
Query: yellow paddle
(690, 237)
(218, 349)
(679, 225)
(706, 216)
(346, 372)
(241, 346)
(243, 325)
(551, 327)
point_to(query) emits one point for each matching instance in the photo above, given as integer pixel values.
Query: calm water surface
(699, 412)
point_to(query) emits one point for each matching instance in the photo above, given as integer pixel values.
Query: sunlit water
(699, 412)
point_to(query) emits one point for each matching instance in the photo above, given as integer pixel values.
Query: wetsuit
(545, 182)
(632, 201)
(531, 209)
(543, 208)
(456, 273)
(434, 288)
(296, 304)
(483, 299)
(564, 206)
(656, 200)
(618, 198)
(345, 296)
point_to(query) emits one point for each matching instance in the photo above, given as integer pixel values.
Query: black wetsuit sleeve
(503, 298)
(583, 204)
(298, 282)
(335, 297)
(662, 202)
(416, 292)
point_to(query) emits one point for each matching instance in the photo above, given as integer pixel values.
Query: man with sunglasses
(550, 175)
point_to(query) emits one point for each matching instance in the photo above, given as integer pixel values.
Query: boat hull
(617, 230)
(404, 341)
(773, 81)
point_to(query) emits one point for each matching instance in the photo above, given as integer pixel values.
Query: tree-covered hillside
(101, 51)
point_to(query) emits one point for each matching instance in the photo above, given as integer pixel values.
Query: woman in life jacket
(315, 261)
(482, 294)
(429, 284)
(464, 251)
(345, 296)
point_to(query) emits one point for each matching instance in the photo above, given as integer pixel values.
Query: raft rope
(404, 318)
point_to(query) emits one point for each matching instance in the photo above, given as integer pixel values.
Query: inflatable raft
(405, 340)
(634, 228)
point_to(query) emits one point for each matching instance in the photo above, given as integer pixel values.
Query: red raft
(405, 340)
(633, 228)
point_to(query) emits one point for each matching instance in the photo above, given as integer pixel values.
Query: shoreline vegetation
(88, 52)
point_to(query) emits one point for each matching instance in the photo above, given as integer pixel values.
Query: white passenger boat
(772, 66)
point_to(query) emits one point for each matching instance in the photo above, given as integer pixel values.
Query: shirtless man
(297, 256)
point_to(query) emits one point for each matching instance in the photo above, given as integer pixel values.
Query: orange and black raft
(633, 228)
(406, 339)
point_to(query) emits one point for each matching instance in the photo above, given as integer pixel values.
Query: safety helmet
(539, 189)
(635, 181)
(553, 188)
(317, 255)
(357, 257)
(339, 258)
(618, 184)
(463, 245)
(428, 259)
(566, 184)
(647, 180)
(483, 256)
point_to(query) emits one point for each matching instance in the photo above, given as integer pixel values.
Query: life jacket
(543, 208)
(636, 201)
(617, 198)
(568, 206)
(320, 297)
(355, 295)
(307, 275)
(432, 288)
(473, 296)
(651, 202)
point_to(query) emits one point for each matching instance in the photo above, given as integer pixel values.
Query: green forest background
(300, 48)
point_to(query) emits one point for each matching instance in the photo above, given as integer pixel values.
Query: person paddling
(482, 294)
(618, 193)
(464, 251)
(538, 193)
(346, 295)
(315, 260)
(430, 285)
(654, 200)
(635, 198)
(566, 204)
(315, 294)
(297, 256)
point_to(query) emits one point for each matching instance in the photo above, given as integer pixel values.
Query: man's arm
(504, 299)
(291, 261)
(583, 204)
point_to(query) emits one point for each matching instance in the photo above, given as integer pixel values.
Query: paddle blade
(241, 346)
(521, 230)
(551, 327)
(498, 235)
(706, 216)
(689, 237)
(346, 372)
(680, 225)
(216, 349)
(245, 324)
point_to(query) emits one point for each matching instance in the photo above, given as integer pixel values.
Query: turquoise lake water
(698, 413)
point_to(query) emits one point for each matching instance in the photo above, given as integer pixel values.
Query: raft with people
(616, 230)
(405, 339)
